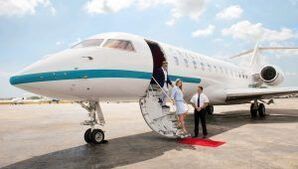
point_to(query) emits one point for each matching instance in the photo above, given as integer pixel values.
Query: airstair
(161, 120)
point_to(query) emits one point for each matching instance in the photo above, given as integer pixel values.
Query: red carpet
(201, 142)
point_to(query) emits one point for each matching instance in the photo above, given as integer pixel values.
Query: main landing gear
(210, 109)
(94, 135)
(257, 109)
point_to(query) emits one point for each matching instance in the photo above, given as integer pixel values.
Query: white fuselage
(101, 73)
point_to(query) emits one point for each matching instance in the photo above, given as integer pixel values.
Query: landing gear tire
(210, 110)
(87, 136)
(261, 110)
(97, 136)
(253, 111)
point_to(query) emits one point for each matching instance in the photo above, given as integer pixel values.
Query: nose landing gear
(94, 135)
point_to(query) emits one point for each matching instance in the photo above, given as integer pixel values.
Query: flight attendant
(178, 100)
(200, 101)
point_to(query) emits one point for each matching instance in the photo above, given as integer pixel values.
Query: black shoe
(165, 106)
(159, 100)
(205, 136)
(194, 136)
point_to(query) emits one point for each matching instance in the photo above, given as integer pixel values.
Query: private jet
(119, 67)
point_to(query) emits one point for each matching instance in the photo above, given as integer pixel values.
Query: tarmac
(50, 136)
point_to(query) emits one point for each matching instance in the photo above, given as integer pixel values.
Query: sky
(31, 29)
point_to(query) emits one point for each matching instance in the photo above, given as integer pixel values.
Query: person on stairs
(178, 100)
(161, 76)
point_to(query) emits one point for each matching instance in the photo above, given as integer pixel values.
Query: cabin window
(119, 44)
(202, 66)
(186, 63)
(176, 60)
(209, 67)
(215, 69)
(194, 64)
(88, 43)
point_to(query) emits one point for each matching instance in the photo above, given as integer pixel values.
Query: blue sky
(30, 29)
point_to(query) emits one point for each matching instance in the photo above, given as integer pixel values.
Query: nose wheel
(96, 136)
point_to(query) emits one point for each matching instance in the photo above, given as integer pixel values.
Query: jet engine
(271, 75)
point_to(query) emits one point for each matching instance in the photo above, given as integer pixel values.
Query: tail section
(261, 72)
(257, 60)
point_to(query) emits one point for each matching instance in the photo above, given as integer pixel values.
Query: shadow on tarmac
(137, 148)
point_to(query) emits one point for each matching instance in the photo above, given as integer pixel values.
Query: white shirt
(166, 76)
(203, 99)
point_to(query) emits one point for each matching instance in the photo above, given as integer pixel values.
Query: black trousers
(200, 116)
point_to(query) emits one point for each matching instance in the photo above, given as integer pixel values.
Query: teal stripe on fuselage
(89, 74)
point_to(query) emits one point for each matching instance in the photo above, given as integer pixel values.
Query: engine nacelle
(271, 75)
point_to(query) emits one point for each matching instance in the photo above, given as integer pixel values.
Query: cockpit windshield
(119, 44)
(88, 43)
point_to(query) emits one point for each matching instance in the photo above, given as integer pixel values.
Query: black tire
(261, 110)
(87, 136)
(97, 136)
(253, 111)
(210, 110)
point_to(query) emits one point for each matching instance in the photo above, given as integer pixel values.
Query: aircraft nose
(13, 80)
(27, 74)
(36, 71)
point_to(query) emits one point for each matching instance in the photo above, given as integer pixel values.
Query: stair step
(163, 120)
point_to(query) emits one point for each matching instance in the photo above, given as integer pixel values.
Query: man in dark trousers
(200, 101)
(161, 76)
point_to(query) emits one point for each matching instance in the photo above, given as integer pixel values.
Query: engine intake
(271, 75)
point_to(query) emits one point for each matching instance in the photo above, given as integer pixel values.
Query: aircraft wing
(248, 94)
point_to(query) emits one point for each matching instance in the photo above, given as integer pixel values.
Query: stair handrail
(162, 89)
(167, 94)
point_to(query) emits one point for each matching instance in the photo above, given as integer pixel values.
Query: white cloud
(231, 12)
(188, 8)
(23, 7)
(171, 22)
(59, 43)
(204, 32)
(248, 31)
(282, 35)
(106, 6)
(144, 4)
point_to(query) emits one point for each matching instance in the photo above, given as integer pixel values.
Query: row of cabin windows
(110, 43)
(210, 68)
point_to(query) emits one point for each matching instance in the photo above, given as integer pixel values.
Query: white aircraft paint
(49, 76)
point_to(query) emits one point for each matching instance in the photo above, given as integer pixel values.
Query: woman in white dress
(177, 98)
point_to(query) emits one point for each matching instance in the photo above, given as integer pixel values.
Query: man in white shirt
(200, 101)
